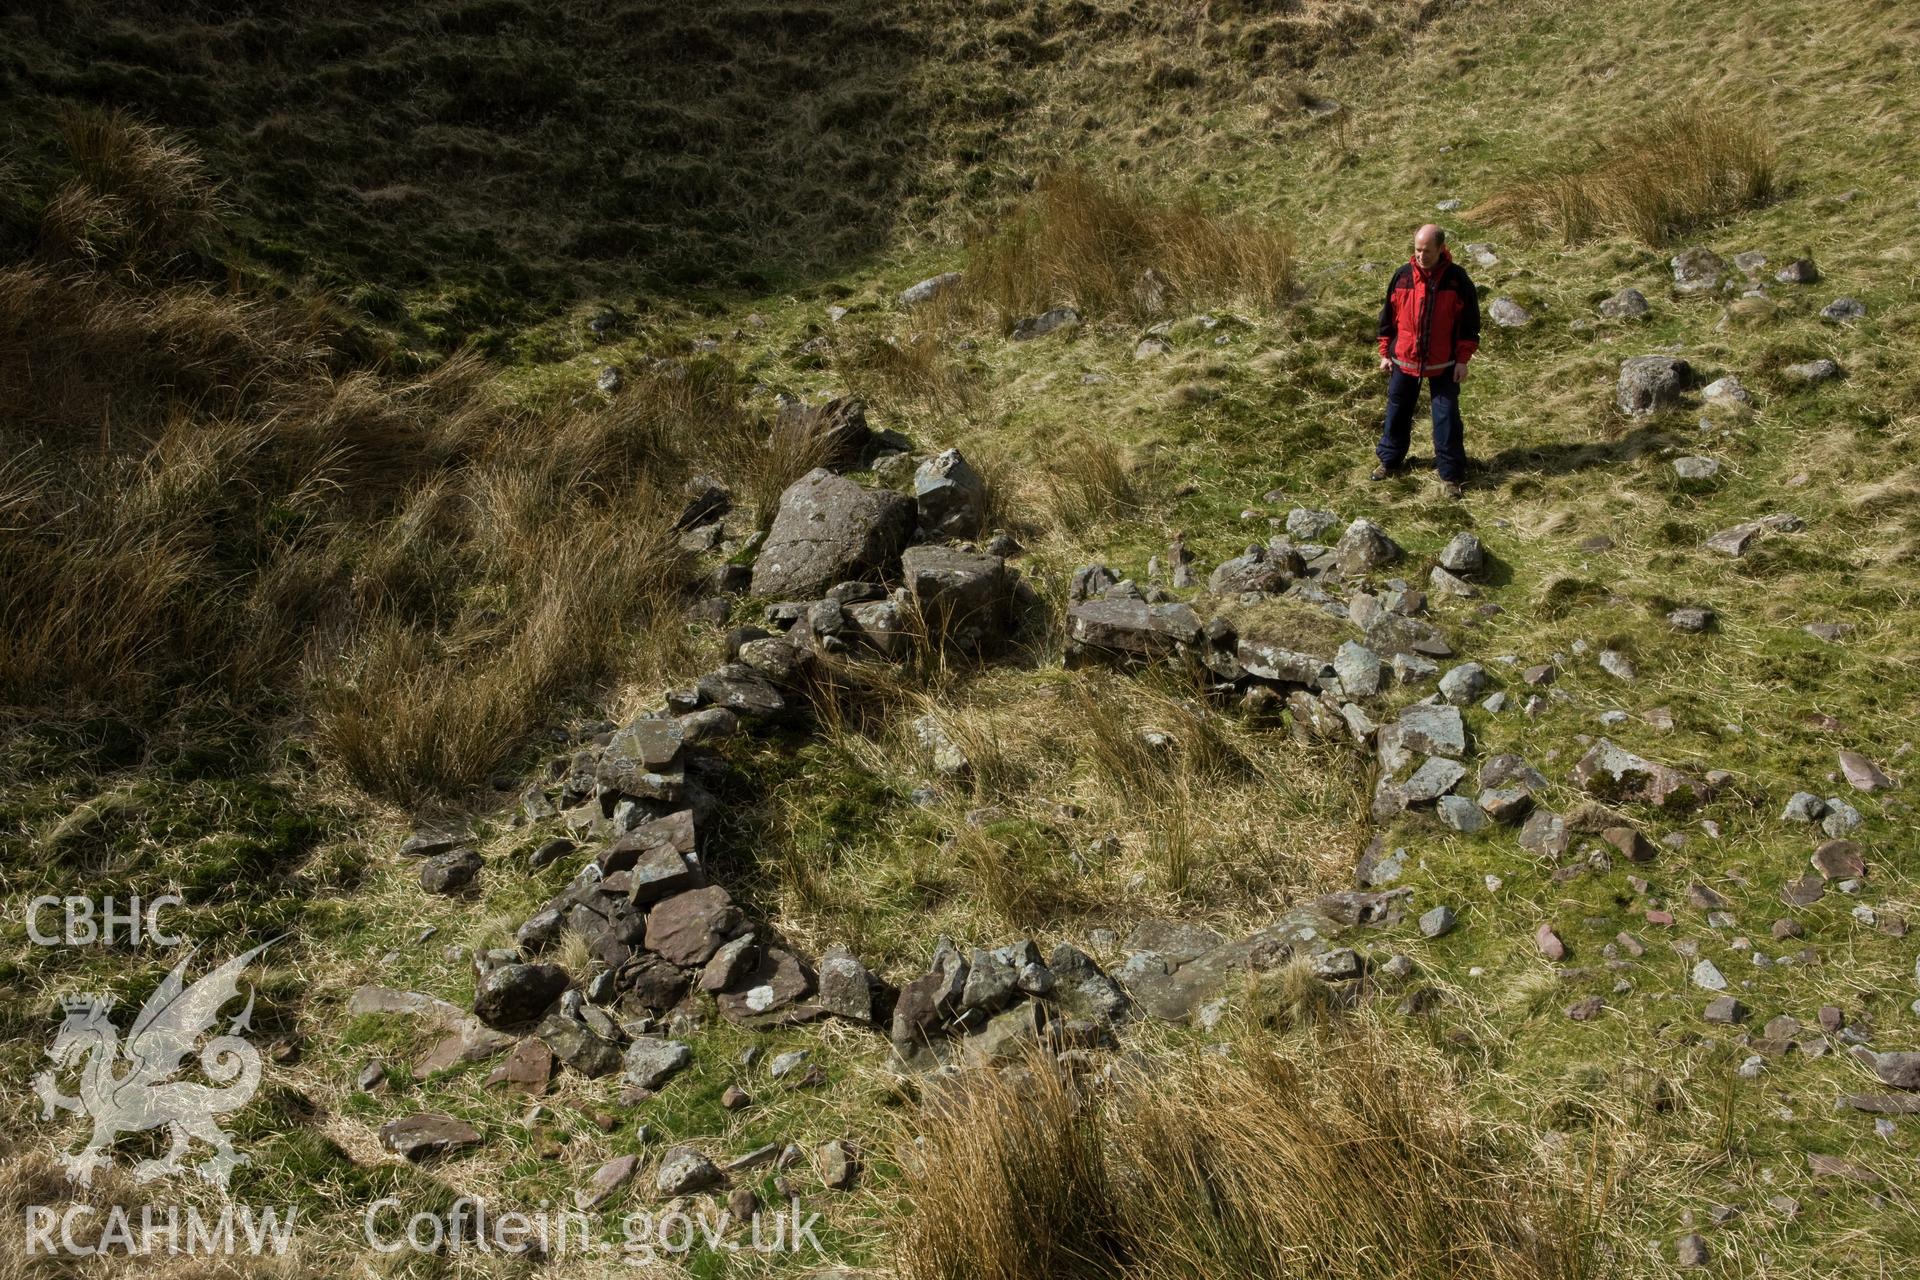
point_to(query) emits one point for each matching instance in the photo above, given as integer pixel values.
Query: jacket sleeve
(1386, 332)
(1466, 332)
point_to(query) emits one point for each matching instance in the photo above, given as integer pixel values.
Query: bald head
(1427, 242)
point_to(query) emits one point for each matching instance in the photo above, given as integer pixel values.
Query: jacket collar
(1446, 260)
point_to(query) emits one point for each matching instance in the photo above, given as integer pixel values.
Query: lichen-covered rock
(829, 529)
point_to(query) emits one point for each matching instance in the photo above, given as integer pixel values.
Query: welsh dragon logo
(127, 1087)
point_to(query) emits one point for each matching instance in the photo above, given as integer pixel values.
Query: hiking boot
(1453, 489)
(1384, 472)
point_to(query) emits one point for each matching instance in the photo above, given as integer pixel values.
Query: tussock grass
(1660, 179)
(1336, 1159)
(199, 503)
(1081, 241)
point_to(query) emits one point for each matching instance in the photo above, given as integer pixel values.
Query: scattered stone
(606, 1183)
(1843, 311)
(1725, 1010)
(1611, 773)
(1463, 684)
(1358, 668)
(1861, 773)
(1727, 390)
(514, 995)
(1056, 320)
(1839, 860)
(929, 289)
(1736, 541)
(1840, 817)
(950, 495)
(1616, 664)
(1460, 814)
(1648, 384)
(1508, 314)
(1698, 270)
(449, 873)
(1544, 833)
(1628, 304)
(1812, 371)
(1696, 468)
(1586, 1010)
(1707, 975)
(1437, 923)
(1549, 943)
(429, 1133)
(1363, 548)
(1895, 1070)
(1690, 1250)
(1691, 619)
(1433, 730)
(828, 529)
(838, 1164)
(1635, 846)
(1310, 526)
(1799, 271)
(1463, 555)
(684, 1171)
(651, 1061)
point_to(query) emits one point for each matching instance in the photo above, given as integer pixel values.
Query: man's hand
(1459, 372)
(1386, 365)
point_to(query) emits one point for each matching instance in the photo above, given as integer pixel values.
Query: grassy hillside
(277, 582)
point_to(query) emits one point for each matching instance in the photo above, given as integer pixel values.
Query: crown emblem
(86, 1004)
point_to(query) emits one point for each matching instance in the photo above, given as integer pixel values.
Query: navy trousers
(1443, 395)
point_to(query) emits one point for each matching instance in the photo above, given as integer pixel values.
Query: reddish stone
(1549, 943)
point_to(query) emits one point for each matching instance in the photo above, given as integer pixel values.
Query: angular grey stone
(1434, 731)
(1544, 833)
(449, 873)
(1839, 818)
(429, 1133)
(1130, 628)
(1254, 571)
(1463, 684)
(1083, 989)
(1799, 271)
(927, 290)
(1843, 311)
(1412, 669)
(1696, 468)
(1046, 322)
(964, 597)
(1735, 541)
(1707, 975)
(1463, 555)
(846, 987)
(1726, 390)
(513, 995)
(651, 1061)
(1461, 814)
(1812, 370)
(1628, 304)
(1691, 619)
(951, 496)
(1616, 664)
(1611, 773)
(684, 1170)
(1363, 548)
(1432, 780)
(1508, 314)
(1698, 270)
(1437, 923)
(1648, 384)
(1310, 526)
(1358, 668)
(1804, 806)
(828, 529)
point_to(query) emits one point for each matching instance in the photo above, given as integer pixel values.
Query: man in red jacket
(1429, 328)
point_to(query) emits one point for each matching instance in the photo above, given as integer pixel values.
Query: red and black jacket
(1431, 319)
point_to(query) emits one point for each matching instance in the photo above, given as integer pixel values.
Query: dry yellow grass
(1107, 250)
(1659, 179)
(1330, 1157)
